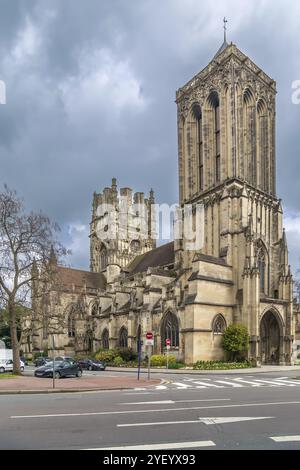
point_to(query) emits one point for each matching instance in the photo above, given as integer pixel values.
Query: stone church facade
(226, 148)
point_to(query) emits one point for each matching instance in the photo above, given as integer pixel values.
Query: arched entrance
(269, 339)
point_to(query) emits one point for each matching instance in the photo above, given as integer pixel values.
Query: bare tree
(27, 241)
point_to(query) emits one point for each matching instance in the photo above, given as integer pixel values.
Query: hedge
(221, 365)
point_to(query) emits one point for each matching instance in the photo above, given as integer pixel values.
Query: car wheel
(2, 370)
(90, 368)
(57, 375)
(22, 369)
(79, 373)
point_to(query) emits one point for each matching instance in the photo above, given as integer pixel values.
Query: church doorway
(269, 339)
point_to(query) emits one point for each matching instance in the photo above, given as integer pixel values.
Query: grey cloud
(59, 142)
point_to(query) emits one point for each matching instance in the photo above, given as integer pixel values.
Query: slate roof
(70, 276)
(161, 256)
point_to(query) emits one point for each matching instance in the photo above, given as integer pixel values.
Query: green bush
(118, 361)
(236, 340)
(176, 365)
(106, 355)
(221, 365)
(127, 354)
(37, 354)
(160, 360)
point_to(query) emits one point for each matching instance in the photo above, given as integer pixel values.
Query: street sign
(149, 342)
(149, 335)
(168, 342)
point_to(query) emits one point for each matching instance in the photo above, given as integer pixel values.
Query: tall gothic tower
(226, 142)
(122, 227)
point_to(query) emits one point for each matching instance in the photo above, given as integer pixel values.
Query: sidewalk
(250, 370)
(27, 384)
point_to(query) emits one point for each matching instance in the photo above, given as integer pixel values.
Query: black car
(91, 364)
(41, 361)
(61, 369)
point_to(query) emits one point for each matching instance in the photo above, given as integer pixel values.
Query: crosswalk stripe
(181, 385)
(248, 382)
(207, 384)
(284, 381)
(272, 382)
(229, 383)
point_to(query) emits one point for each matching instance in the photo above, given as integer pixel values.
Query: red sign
(149, 335)
(168, 342)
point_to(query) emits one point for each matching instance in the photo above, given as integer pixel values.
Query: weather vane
(225, 27)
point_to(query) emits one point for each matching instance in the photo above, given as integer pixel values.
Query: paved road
(220, 412)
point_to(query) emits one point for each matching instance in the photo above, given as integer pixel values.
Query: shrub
(221, 365)
(127, 354)
(235, 340)
(160, 360)
(118, 361)
(106, 355)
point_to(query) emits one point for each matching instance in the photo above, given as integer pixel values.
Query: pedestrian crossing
(188, 383)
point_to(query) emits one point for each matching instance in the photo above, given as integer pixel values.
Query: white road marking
(161, 446)
(248, 382)
(272, 383)
(162, 402)
(181, 385)
(285, 438)
(285, 382)
(99, 413)
(161, 387)
(207, 384)
(232, 384)
(234, 419)
(207, 421)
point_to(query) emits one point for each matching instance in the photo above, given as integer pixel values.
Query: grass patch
(8, 376)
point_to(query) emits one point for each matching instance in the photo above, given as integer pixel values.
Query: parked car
(91, 364)
(61, 369)
(41, 361)
(7, 366)
(23, 359)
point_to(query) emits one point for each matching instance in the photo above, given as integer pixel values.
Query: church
(226, 163)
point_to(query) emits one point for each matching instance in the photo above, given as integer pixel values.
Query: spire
(225, 43)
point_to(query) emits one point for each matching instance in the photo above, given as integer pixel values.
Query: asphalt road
(261, 411)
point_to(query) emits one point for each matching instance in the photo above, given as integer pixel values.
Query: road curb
(72, 390)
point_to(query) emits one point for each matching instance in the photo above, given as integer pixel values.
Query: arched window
(219, 325)
(170, 330)
(214, 104)
(262, 262)
(105, 339)
(103, 257)
(95, 310)
(71, 323)
(198, 136)
(123, 338)
(262, 269)
(249, 140)
(263, 145)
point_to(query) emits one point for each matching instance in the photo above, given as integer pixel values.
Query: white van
(7, 366)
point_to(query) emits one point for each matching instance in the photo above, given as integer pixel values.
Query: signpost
(168, 344)
(140, 343)
(53, 349)
(149, 342)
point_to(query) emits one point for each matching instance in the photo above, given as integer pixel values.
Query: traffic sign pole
(149, 343)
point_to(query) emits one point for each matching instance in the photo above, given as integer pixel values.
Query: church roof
(69, 277)
(161, 256)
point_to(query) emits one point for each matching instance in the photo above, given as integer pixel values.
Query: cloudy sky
(91, 88)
